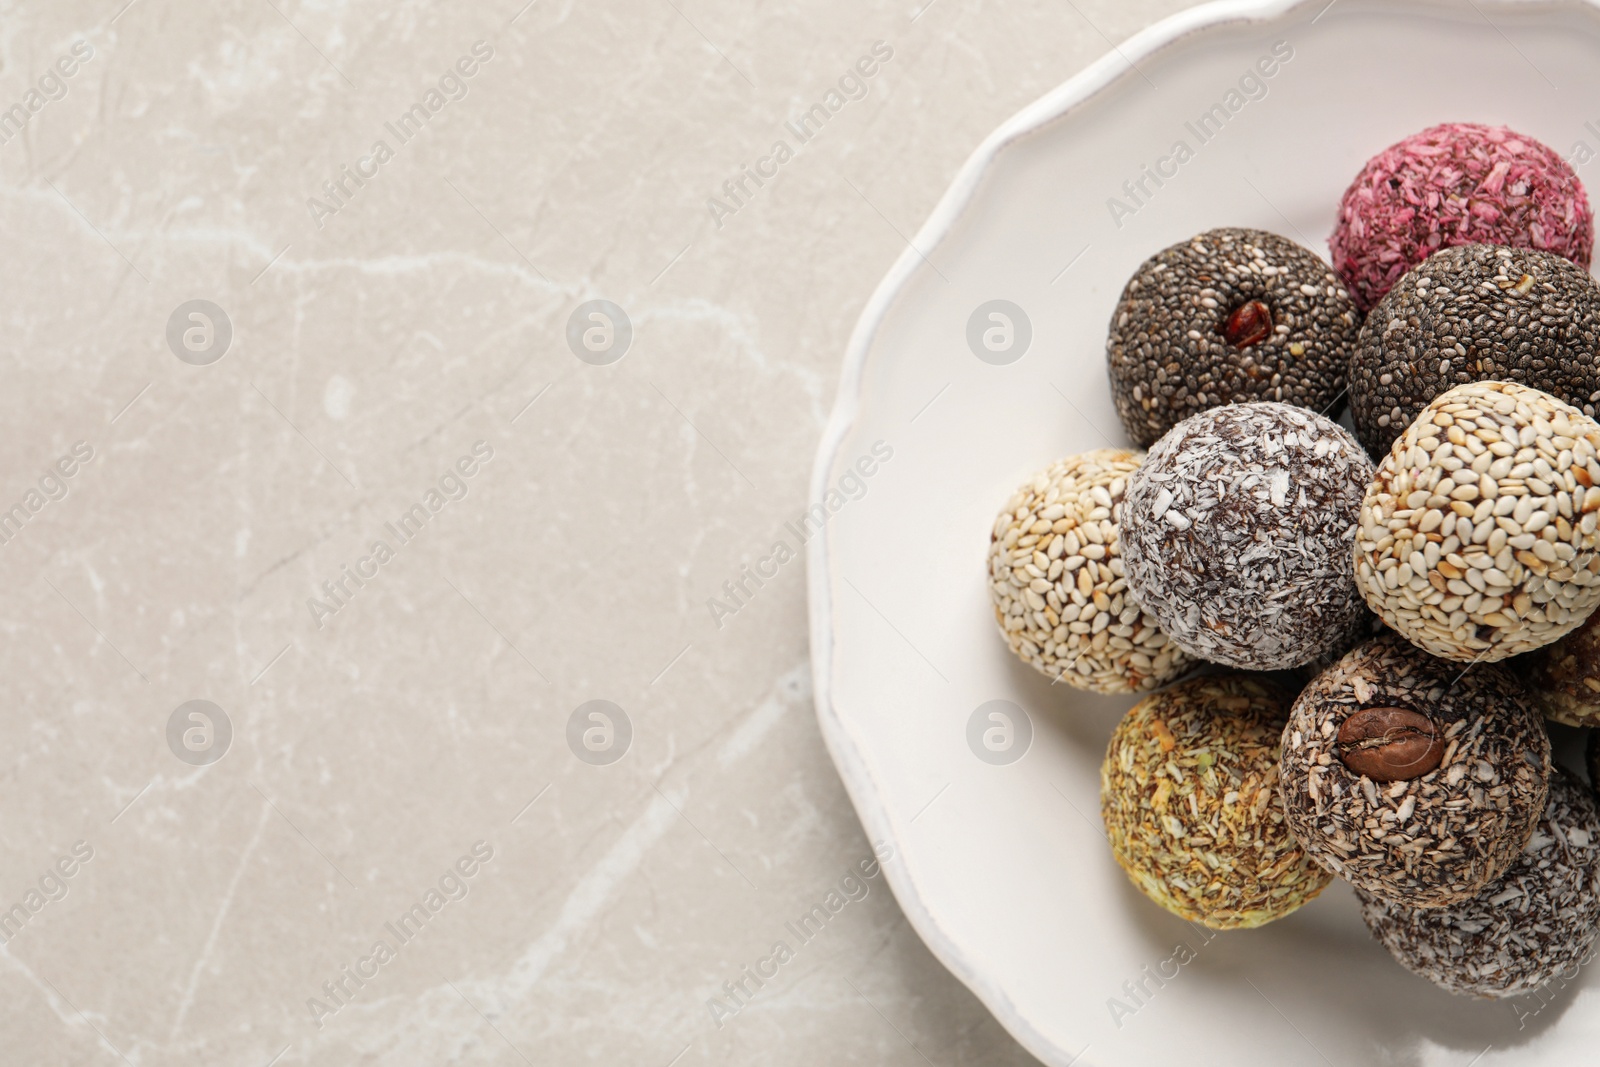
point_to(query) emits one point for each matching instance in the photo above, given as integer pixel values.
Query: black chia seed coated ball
(1536, 922)
(1469, 314)
(1230, 315)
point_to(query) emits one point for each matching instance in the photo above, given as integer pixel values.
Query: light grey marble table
(294, 423)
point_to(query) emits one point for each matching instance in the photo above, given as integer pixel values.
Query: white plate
(1001, 868)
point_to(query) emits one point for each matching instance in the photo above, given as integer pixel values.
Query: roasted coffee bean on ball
(1475, 313)
(1228, 316)
(1534, 922)
(1414, 780)
(1237, 533)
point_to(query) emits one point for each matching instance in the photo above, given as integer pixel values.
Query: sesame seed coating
(1188, 792)
(1455, 184)
(1056, 578)
(1564, 676)
(1477, 536)
(1473, 313)
(1532, 924)
(1237, 529)
(1436, 838)
(1168, 349)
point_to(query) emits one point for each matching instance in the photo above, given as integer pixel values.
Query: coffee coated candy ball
(1189, 796)
(1564, 677)
(1056, 579)
(1412, 779)
(1535, 922)
(1236, 532)
(1456, 184)
(1478, 535)
(1470, 314)
(1230, 315)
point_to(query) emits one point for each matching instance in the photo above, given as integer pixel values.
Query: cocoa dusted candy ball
(1536, 921)
(1189, 796)
(1478, 536)
(1564, 677)
(1236, 532)
(1230, 315)
(1056, 580)
(1413, 779)
(1469, 314)
(1455, 184)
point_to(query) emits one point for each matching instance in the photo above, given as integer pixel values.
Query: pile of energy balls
(1353, 638)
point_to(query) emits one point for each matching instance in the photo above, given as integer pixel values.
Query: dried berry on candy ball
(1456, 184)
(1227, 316)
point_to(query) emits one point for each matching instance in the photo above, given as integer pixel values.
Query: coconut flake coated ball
(1188, 792)
(1236, 534)
(1411, 778)
(1456, 184)
(1536, 922)
(1478, 536)
(1056, 580)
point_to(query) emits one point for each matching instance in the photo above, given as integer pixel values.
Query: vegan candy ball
(1535, 922)
(1056, 578)
(1236, 532)
(1473, 313)
(1412, 779)
(1189, 796)
(1478, 535)
(1227, 316)
(1456, 184)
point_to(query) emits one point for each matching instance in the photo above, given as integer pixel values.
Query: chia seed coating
(1236, 532)
(1438, 838)
(1456, 184)
(1564, 677)
(1470, 314)
(1167, 350)
(1188, 792)
(1056, 580)
(1532, 924)
(1478, 534)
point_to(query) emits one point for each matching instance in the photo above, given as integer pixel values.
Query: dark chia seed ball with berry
(1228, 316)
(1469, 314)
(1535, 922)
(1416, 781)
(1237, 534)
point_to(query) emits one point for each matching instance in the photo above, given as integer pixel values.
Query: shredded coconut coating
(1237, 532)
(1167, 353)
(1438, 838)
(1468, 314)
(1189, 796)
(1536, 922)
(1456, 184)
(1478, 535)
(1056, 578)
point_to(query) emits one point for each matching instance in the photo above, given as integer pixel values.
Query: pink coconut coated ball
(1456, 184)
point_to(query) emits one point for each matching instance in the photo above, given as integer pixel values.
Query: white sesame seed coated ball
(1056, 578)
(1478, 535)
